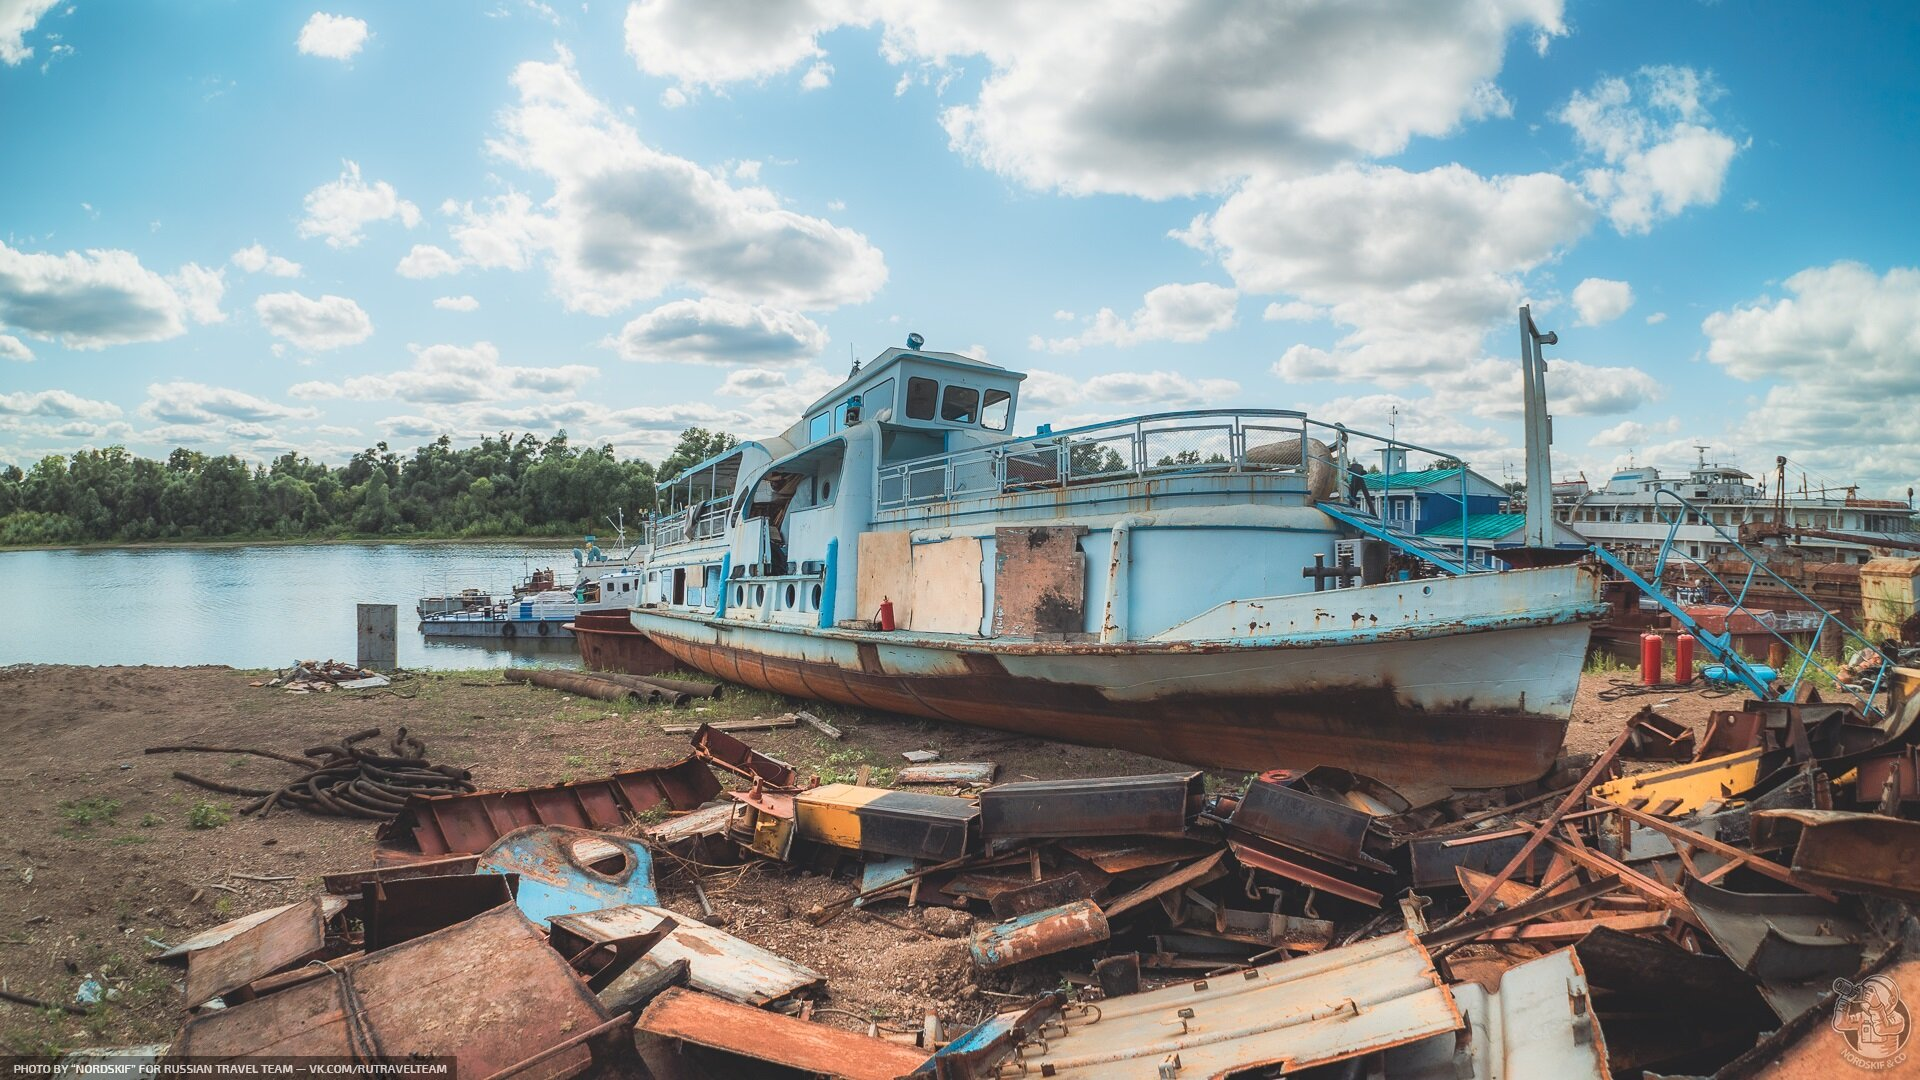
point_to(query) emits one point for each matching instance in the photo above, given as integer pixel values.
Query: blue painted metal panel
(555, 881)
(829, 584)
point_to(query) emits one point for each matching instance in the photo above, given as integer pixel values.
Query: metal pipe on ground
(572, 683)
(680, 686)
(668, 691)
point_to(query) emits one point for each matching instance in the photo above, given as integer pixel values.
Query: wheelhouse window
(997, 411)
(819, 427)
(961, 405)
(921, 394)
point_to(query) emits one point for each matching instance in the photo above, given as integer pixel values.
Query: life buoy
(545, 629)
(507, 629)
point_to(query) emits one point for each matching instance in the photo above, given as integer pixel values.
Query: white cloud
(716, 331)
(56, 404)
(626, 221)
(198, 403)
(1135, 390)
(1599, 300)
(1185, 313)
(426, 261)
(340, 208)
(1093, 98)
(101, 297)
(501, 235)
(456, 303)
(1656, 318)
(335, 37)
(1417, 265)
(17, 18)
(327, 323)
(751, 381)
(1634, 434)
(818, 77)
(12, 348)
(1659, 158)
(1292, 311)
(200, 290)
(256, 260)
(453, 374)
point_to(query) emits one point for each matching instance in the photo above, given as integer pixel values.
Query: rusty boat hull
(609, 642)
(1469, 703)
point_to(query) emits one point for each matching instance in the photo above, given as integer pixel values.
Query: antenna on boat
(619, 527)
(854, 359)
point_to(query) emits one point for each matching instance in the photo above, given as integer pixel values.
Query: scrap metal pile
(319, 676)
(1740, 910)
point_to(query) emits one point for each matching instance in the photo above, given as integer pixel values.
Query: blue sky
(252, 227)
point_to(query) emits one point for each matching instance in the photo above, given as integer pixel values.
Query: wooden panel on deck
(948, 595)
(886, 561)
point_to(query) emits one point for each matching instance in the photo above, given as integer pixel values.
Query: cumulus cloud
(456, 303)
(1659, 154)
(1599, 300)
(626, 221)
(1656, 318)
(56, 404)
(335, 37)
(426, 261)
(1184, 313)
(818, 77)
(1092, 98)
(338, 209)
(1108, 392)
(101, 297)
(12, 348)
(330, 322)
(711, 330)
(1417, 265)
(1633, 433)
(17, 19)
(256, 260)
(751, 381)
(198, 403)
(453, 374)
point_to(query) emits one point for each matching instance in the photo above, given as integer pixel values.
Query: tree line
(503, 486)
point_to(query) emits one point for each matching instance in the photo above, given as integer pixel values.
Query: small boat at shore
(1210, 586)
(536, 615)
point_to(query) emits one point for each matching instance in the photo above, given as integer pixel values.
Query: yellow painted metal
(1693, 784)
(829, 814)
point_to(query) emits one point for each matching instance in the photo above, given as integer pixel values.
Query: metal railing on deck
(1720, 645)
(708, 521)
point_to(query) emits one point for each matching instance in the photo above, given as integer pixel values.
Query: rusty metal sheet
(721, 750)
(1121, 856)
(435, 996)
(556, 880)
(1730, 731)
(1438, 860)
(1895, 774)
(292, 936)
(1288, 814)
(948, 772)
(1314, 1010)
(718, 963)
(1199, 873)
(1050, 892)
(1265, 855)
(814, 1049)
(1153, 804)
(469, 824)
(406, 908)
(208, 938)
(1653, 737)
(1795, 944)
(1540, 1024)
(352, 882)
(694, 825)
(1858, 1034)
(1861, 853)
(1038, 933)
(1647, 981)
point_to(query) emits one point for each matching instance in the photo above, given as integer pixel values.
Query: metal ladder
(1373, 525)
(1720, 646)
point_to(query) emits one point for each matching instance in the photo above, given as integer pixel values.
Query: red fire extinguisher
(1683, 659)
(886, 614)
(1651, 650)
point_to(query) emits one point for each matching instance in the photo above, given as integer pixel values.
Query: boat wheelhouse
(1206, 586)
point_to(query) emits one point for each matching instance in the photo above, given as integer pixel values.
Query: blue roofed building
(1443, 504)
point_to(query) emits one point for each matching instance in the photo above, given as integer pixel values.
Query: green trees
(503, 486)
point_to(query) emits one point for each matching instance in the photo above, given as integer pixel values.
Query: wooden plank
(1747, 858)
(949, 595)
(1601, 765)
(293, 936)
(785, 720)
(885, 572)
(819, 725)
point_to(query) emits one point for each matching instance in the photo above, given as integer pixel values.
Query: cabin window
(961, 405)
(998, 410)
(819, 427)
(876, 399)
(921, 394)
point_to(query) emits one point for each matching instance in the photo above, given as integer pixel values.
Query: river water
(255, 606)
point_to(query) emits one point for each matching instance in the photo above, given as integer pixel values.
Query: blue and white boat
(533, 615)
(1198, 586)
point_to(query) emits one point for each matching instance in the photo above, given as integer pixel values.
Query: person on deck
(1357, 486)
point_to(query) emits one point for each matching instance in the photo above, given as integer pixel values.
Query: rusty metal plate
(1795, 944)
(1038, 933)
(406, 908)
(352, 882)
(489, 992)
(718, 963)
(1261, 854)
(469, 824)
(208, 938)
(723, 751)
(291, 936)
(1301, 820)
(556, 880)
(1152, 804)
(1051, 892)
(814, 1049)
(1862, 853)
(1121, 856)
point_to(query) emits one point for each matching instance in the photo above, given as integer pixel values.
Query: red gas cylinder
(886, 614)
(1683, 659)
(1652, 651)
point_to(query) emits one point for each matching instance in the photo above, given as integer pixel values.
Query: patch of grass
(653, 815)
(85, 812)
(237, 763)
(1605, 663)
(206, 815)
(223, 907)
(842, 766)
(148, 821)
(576, 761)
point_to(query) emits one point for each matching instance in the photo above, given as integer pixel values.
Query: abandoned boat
(1198, 586)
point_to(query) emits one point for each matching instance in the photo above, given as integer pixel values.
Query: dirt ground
(103, 853)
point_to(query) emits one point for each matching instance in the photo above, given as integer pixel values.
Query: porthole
(789, 602)
(759, 595)
(816, 598)
(739, 594)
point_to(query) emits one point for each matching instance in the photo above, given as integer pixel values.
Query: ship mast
(1533, 370)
